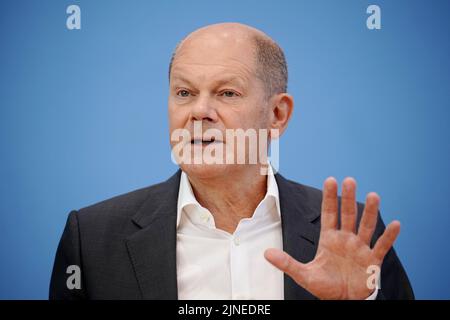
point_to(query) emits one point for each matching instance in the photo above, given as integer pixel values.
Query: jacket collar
(152, 249)
(300, 234)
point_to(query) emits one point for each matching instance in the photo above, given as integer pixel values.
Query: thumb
(283, 261)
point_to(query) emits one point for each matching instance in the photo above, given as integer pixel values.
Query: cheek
(231, 118)
(262, 115)
(175, 122)
(177, 117)
(242, 118)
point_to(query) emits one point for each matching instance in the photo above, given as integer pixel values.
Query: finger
(386, 240)
(329, 214)
(348, 205)
(283, 261)
(369, 218)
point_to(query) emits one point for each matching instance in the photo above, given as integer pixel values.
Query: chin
(206, 171)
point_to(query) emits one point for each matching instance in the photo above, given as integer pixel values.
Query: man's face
(213, 82)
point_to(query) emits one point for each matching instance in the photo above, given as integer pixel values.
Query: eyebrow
(183, 79)
(226, 80)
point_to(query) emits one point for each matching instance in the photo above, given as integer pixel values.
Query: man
(221, 230)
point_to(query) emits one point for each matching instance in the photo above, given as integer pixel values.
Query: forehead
(213, 56)
(209, 75)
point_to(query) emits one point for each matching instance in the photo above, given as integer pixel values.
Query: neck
(231, 198)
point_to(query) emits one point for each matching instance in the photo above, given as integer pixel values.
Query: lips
(204, 140)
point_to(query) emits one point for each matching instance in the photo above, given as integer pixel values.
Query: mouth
(205, 141)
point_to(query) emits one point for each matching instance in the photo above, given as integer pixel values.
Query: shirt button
(237, 241)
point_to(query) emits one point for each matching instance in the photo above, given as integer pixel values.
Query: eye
(183, 93)
(229, 94)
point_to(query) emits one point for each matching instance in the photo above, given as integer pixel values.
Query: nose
(203, 109)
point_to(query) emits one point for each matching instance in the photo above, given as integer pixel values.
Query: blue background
(83, 114)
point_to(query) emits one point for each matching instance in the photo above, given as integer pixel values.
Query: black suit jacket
(126, 246)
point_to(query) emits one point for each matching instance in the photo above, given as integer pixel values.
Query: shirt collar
(186, 195)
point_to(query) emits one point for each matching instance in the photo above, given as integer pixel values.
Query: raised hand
(340, 267)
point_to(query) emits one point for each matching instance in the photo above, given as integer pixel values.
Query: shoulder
(309, 196)
(123, 207)
(291, 190)
(314, 194)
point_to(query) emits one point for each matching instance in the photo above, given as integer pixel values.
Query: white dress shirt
(214, 264)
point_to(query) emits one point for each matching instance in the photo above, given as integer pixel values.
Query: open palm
(344, 256)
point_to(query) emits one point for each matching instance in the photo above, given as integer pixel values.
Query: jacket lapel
(300, 235)
(152, 249)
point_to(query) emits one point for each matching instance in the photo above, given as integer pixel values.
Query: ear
(281, 110)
